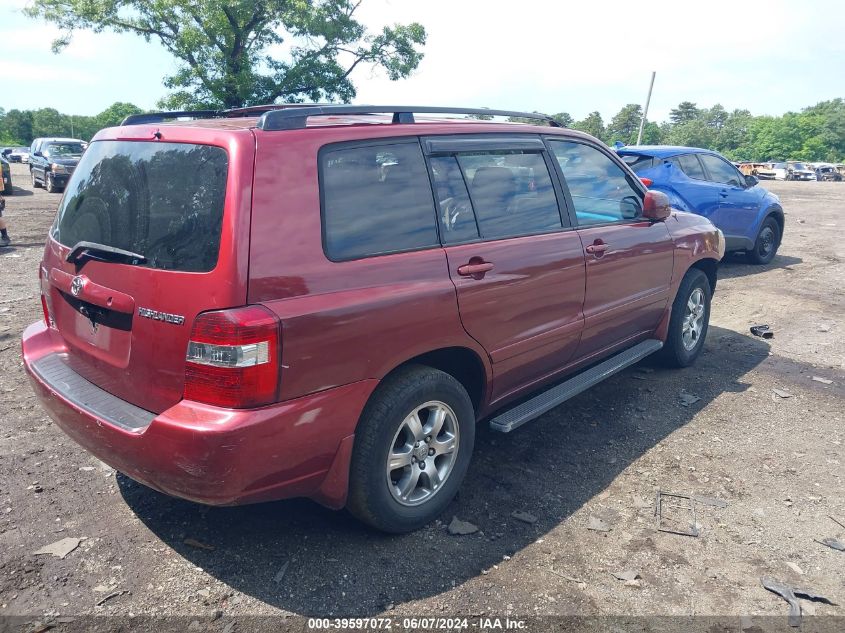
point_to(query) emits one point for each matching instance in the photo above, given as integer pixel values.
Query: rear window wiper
(91, 249)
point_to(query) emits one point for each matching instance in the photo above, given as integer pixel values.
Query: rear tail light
(233, 358)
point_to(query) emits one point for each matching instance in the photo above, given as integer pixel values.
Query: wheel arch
(775, 211)
(462, 363)
(709, 267)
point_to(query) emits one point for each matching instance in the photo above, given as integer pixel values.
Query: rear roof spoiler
(295, 116)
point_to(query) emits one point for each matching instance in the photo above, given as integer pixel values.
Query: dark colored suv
(53, 160)
(323, 301)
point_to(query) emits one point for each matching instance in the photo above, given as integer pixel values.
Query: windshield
(798, 166)
(63, 149)
(161, 200)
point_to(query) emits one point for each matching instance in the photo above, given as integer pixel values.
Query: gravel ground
(597, 461)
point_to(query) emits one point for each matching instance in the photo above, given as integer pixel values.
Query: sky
(550, 56)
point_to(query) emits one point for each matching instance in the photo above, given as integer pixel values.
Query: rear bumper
(208, 454)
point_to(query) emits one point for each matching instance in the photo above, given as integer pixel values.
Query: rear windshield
(162, 200)
(639, 163)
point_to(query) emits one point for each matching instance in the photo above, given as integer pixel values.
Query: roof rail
(297, 118)
(158, 117)
(256, 110)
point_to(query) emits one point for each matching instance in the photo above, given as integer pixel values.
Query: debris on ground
(835, 520)
(598, 525)
(688, 398)
(461, 528)
(833, 543)
(60, 548)
(525, 517)
(631, 578)
(780, 393)
(763, 331)
(113, 594)
(795, 568)
(281, 573)
(198, 544)
(667, 505)
(791, 595)
(824, 381)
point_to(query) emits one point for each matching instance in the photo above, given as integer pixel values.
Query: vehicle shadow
(18, 191)
(735, 265)
(549, 468)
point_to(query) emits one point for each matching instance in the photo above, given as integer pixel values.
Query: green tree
(593, 124)
(17, 126)
(686, 111)
(227, 51)
(625, 125)
(564, 118)
(50, 122)
(691, 133)
(115, 113)
(652, 134)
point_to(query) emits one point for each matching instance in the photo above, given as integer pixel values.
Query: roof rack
(297, 118)
(158, 117)
(294, 116)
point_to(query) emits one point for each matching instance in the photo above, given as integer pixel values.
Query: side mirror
(656, 206)
(750, 181)
(38, 154)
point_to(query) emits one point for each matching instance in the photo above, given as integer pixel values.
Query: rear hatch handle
(86, 290)
(88, 249)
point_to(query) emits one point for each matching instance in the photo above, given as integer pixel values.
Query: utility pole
(645, 111)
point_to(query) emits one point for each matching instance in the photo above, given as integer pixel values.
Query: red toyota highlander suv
(323, 301)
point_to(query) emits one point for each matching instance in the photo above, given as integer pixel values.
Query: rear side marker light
(233, 358)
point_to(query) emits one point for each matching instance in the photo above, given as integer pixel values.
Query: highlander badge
(175, 319)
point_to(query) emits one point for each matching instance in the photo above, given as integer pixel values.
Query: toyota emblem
(76, 286)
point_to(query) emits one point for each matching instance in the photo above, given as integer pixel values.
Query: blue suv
(706, 183)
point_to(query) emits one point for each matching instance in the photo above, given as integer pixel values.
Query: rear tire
(689, 320)
(388, 489)
(767, 243)
(35, 183)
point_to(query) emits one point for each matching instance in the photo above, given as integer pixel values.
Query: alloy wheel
(423, 453)
(693, 323)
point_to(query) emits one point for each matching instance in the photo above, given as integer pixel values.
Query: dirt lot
(776, 461)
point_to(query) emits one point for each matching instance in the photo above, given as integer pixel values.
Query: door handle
(597, 248)
(476, 270)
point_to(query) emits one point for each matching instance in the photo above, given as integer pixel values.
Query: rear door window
(600, 189)
(161, 200)
(721, 171)
(690, 165)
(457, 219)
(376, 200)
(511, 192)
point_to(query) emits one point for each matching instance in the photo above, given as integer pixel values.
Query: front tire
(49, 184)
(412, 450)
(689, 320)
(767, 243)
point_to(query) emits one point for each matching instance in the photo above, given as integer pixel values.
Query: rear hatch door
(152, 230)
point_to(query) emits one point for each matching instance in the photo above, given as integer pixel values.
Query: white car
(19, 155)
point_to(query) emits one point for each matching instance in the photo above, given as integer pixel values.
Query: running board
(552, 397)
